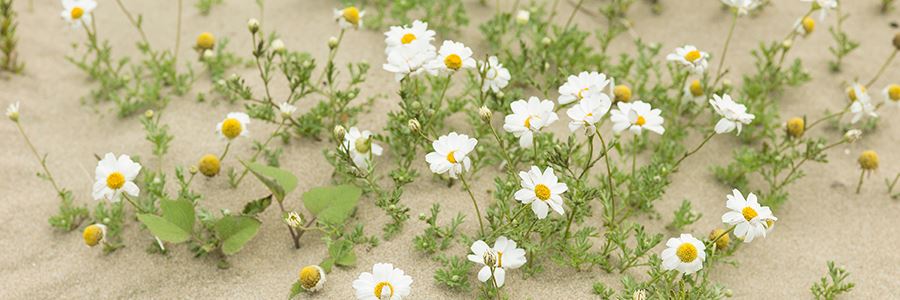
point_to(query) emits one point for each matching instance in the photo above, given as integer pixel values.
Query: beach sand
(823, 220)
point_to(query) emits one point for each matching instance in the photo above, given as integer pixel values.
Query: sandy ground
(824, 220)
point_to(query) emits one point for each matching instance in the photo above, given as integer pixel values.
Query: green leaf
(279, 182)
(258, 206)
(235, 231)
(164, 229)
(327, 264)
(296, 288)
(342, 253)
(180, 213)
(332, 205)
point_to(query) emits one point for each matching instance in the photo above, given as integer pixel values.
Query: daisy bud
(339, 132)
(853, 135)
(726, 83)
(522, 17)
(545, 41)
(897, 41)
(12, 112)
(486, 113)
(193, 170)
(278, 46)
(868, 160)
(723, 241)
(795, 127)
(728, 293)
(639, 295)
(294, 220)
(312, 278)
(787, 44)
(500, 94)
(332, 42)
(209, 165)
(94, 234)
(622, 93)
(414, 125)
(208, 54)
(422, 216)
(253, 25)
(148, 114)
(205, 41)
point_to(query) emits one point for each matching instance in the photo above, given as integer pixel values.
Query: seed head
(723, 241)
(312, 278)
(868, 160)
(622, 93)
(209, 165)
(94, 234)
(206, 41)
(795, 127)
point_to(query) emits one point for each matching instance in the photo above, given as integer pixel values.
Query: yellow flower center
(851, 93)
(622, 93)
(692, 56)
(542, 192)
(379, 289)
(894, 92)
(209, 165)
(528, 122)
(451, 158)
(749, 213)
(363, 145)
(206, 41)
(770, 223)
(580, 96)
(408, 38)
(453, 62)
(231, 128)
(115, 180)
(696, 88)
(796, 127)
(868, 160)
(351, 14)
(499, 259)
(92, 235)
(808, 24)
(77, 13)
(686, 252)
(309, 277)
(640, 121)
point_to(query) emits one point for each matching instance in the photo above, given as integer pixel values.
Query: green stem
(572, 16)
(883, 67)
(719, 71)
(474, 202)
(224, 153)
(861, 176)
(38, 157)
(708, 137)
(612, 195)
(177, 34)
(258, 152)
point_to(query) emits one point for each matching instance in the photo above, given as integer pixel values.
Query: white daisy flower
(891, 95)
(588, 112)
(496, 76)
(452, 57)
(12, 111)
(286, 109)
(743, 7)
(312, 278)
(749, 218)
(685, 254)
(349, 17)
(399, 36)
(824, 6)
(451, 154)
(694, 90)
(94, 234)
(361, 147)
(544, 187)
(734, 115)
(691, 57)
(582, 86)
(504, 255)
(234, 125)
(385, 282)
(636, 116)
(115, 176)
(409, 60)
(78, 12)
(529, 117)
(861, 103)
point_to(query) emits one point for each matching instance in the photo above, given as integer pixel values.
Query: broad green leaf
(333, 204)
(279, 182)
(235, 231)
(258, 206)
(164, 229)
(327, 264)
(179, 212)
(342, 253)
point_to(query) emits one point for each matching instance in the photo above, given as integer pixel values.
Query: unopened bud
(787, 44)
(485, 113)
(853, 135)
(148, 114)
(414, 125)
(339, 132)
(332, 42)
(546, 41)
(278, 46)
(253, 25)
(522, 17)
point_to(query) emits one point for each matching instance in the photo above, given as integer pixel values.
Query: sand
(824, 220)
